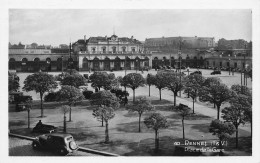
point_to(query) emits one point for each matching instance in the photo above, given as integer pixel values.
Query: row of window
(38, 60)
(93, 49)
(220, 64)
(164, 58)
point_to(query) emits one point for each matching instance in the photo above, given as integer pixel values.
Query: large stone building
(33, 58)
(199, 52)
(167, 44)
(119, 53)
(111, 53)
(178, 51)
(224, 44)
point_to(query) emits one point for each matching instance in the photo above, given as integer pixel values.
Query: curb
(83, 149)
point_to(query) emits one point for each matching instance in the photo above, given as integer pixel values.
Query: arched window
(36, 64)
(96, 64)
(137, 63)
(12, 64)
(107, 64)
(104, 49)
(70, 63)
(146, 62)
(24, 65)
(128, 63)
(59, 64)
(123, 49)
(85, 63)
(117, 63)
(93, 49)
(48, 64)
(24, 61)
(114, 49)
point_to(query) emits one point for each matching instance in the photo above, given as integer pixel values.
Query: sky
(60, 26)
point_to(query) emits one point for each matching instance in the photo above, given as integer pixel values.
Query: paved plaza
(123, 129)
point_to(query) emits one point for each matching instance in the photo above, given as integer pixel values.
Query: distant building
(36, 46)
(224, 44)
(169, 44)
(18, 46)
(34, 57)
(63, 46)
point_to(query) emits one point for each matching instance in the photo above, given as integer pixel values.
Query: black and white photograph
(173, 82)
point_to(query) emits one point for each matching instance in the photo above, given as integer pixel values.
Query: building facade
(33, 59)
(119, 53)
(111, 53)
(167, 44)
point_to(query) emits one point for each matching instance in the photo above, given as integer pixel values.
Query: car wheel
(73, 145)
(35, 145)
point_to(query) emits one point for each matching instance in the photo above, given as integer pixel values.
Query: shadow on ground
(17, 123)
(201, 127)
(132, 127)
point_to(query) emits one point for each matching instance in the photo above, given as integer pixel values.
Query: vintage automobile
(215, 72)
(196, 72)
(43, 128)
(62, 144)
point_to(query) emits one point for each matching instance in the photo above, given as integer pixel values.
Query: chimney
(85, 38)
(132, 37)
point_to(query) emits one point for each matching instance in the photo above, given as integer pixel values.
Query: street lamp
(136, 64)
(125, 65)
(180, 68)
(170, 61)
(233, 67)
(62, 65)
(246, 66)
(89, 62)
(229, 64)
(48, 65)
(243, 68)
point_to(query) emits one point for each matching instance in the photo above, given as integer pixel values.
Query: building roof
(19, 46)
(105, 39)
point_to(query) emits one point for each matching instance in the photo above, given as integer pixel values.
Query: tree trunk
(251, 128)
(156, 141)
(183, 128)
(218, 110)
(139, 122)
(220, 147)
(236, 136)
(125, 97)
(102, 121)
(28, 118)
(41, 105)
(160, 93)
(70, 114)
(133, 95)
(188, 94)
(64, 125)
(193, 105)
(220, 144)
(214, 105)
(106, 132)
(174, 95)
(149, 91)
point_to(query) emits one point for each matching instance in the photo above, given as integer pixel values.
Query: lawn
(123, 129)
